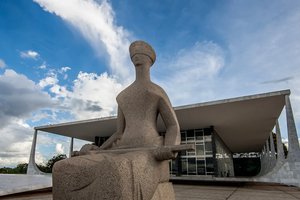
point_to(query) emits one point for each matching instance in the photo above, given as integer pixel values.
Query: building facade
(219, 130)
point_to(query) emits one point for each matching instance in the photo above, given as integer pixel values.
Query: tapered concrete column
(272, 146)
(262, 161)
(293, 149)
(71, 147)
(280, 152)
(32, 168)
(265, 160)
(267, 149)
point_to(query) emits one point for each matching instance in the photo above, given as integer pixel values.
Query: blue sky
(67, 60)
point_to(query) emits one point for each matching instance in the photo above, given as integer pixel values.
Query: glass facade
(211, 156)
(195, 162)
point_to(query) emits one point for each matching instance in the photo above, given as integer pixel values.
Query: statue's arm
(118, 134)
(172, 136)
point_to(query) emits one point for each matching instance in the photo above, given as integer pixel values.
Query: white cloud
(262, 46)
(50, 80)
(2, 64)
(15, 143)
(29, 54)
(193, 69)
(59, 149)
(43, 66)
(95, 21)
(65, 69)
(20, 96)
(92, 96)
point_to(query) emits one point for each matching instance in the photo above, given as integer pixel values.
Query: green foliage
(47, 168)
(22, 168)
(285, 150)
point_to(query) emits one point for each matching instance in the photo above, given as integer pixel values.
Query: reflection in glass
(199, 135)
(208, 146)
(184, 166)
(199, 150)
(190, 134)
(200, 160)
(209, 165)
(191, 166)
(200, 167)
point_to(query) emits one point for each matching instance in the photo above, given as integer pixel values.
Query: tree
(49, 165)
(285, 150)
(20, 169)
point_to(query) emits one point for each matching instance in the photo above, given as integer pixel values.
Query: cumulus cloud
(50, 80)
(19, 96)
(59, 149)
(15, 143)
(29, 54)
(92, 96)
(95, 20)
(2, 64)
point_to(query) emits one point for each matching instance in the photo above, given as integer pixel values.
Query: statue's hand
(86, 149)
(164, 153)
(111, 142)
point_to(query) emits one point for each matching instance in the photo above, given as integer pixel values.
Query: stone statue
(133, 163)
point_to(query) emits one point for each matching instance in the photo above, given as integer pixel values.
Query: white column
(71, 147)
(280, 152)
(293, 149)
(272, 153)
(32, 168)
(272, 145)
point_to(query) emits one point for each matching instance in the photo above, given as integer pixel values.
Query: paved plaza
(207, 192)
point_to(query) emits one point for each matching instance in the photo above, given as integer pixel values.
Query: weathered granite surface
(135, 165)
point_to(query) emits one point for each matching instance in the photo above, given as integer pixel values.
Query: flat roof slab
(243, 123)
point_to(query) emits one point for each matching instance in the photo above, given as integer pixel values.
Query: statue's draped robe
(127, 176)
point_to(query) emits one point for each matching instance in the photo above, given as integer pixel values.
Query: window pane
(209, 165)
(207, 138)
(208, 146)
(184, 166)
(190, 133)
(200, 167)
(183, 136)
(199, 150)
(207, 131)
(191, 166)
(173, 167)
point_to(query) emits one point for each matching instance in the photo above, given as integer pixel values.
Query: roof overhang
(243, 123)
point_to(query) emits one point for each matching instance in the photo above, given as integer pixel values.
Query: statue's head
(141, 48)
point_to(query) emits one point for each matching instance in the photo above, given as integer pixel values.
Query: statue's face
(141, 59)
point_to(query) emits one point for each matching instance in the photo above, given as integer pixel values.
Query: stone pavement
(253, 191)
(242, 192)
(17, 183)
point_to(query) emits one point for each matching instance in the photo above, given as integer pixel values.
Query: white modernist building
(219, 130)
